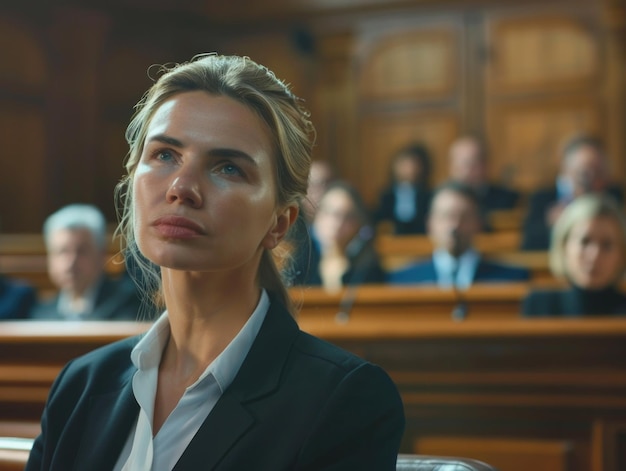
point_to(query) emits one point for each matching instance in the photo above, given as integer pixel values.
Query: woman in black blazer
(219, 159)
(405, 201)
(588, 250)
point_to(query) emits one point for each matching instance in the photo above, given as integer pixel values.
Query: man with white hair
(76, 243)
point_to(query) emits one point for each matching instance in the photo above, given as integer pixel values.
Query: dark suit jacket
(16, 299)
(297, 403)
(574, 302)
(117, 299)
(535, 230)
(386, 212)
(486, 272)
(497, 197)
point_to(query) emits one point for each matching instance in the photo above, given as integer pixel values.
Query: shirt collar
(88, 301)
(147, 353)
(455, 271)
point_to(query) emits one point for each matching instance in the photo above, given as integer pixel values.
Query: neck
(206, 311)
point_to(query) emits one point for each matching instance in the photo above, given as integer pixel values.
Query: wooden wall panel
(22, 178)
(23, 77)
(374, 80)
(410, 90)
(526, 136)
(543, 85)
(385, 133)
(411, 66)
(24, 61)
(541, 53)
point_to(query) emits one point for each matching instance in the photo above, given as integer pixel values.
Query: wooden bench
(398, 251)
(400, 303)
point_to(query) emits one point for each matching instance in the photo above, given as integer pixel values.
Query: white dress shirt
(405, 209)
(457, 272)
(142, 451)
(78, 308)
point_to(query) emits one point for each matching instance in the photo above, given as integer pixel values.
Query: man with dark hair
(468, 164)
(453, 221)
(584, 169)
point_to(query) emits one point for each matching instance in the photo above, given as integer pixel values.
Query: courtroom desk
(557, 383)
(388, 302)
(33, 352)
(397, 250)
(550, 392)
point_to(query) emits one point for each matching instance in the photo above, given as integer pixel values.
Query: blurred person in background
(584, 169)
(77, 251)
(17, 299)
(588, 251)
(321, 175)
(404, 203)
(453, 222)
(299, 239)
(469, 164)
(342, 242)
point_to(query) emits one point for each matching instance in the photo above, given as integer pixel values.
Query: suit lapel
(108, 414)
(258, 376)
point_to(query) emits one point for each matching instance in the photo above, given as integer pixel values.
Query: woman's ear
(284, 220)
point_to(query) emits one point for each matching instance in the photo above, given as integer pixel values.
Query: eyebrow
(217, 152)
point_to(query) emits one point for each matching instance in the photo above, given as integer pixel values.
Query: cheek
(613, 263)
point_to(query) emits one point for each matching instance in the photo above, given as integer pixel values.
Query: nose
(185, 188)
(592, 252)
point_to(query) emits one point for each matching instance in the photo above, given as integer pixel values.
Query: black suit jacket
(297, 403)
(16, 299)
(497, 197)
(535, 229)
(424, 272)
(117, 299)
(386, 211)
(574, 302)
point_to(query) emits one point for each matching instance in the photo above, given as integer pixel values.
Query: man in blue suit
(453, 221)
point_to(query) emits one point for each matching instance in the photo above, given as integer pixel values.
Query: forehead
(584, 155)
(449, 200)
(210, 119)
(73, 235)
(597, 226)
(467, 149)
(336, 197)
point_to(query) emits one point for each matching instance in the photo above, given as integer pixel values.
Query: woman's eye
(230, 169)
(164, 155)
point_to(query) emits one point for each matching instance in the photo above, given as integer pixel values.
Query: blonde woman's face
(594, 253)
(204, 188)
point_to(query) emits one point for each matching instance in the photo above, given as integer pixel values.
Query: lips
(177, 227)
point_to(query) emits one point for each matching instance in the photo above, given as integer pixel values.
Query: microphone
(361, 255)
(459, 312)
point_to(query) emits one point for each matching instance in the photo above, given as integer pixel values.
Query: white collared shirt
(142, 451)
(457, 272)
(405, 202)
(71, 308)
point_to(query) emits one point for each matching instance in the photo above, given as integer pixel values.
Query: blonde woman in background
(588, 251)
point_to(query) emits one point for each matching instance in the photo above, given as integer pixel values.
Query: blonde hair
(256, 87)
(583, 208)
